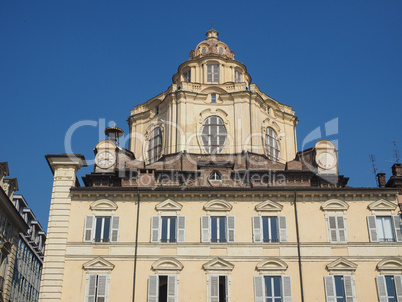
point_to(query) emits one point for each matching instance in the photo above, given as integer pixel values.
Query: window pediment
(217, 205)
(269, 206)
(167, 264)
(391, 265)
(168, 205)
(218, 264)
(272, 266)
(98, 264)
(342, 266)
(334, 205)
(103, 205)
(382, 205)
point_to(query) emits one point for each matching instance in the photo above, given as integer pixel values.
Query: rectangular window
(101, 228)
(384, 228)
(337, 228)
(168, 228)
(339, 288)
(272, 289)
(187, 76)
(389, 288)
(213, 98)
(213, 73)
(269, 229)
(162, 288)
(217, 229)
(218, 288)
(237, 76)
(97, 288)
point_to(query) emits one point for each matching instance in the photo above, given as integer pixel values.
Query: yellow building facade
(213, 202)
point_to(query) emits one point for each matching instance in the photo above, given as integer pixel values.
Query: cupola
(212, 47)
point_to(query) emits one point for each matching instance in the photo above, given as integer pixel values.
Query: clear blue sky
(66, 61)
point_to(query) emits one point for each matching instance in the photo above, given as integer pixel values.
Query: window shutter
(332, 228)
(181, 228)
(286, 289)
(91, 288)
(155, 228)
(172, 288)
(231, 228)
(102, 288)
(397, 227)
(257, 229)
(89, 226)
(349, 289)
(115, 228)
(372, 228)
(381, 287)
(214, 288)
(330, 288)
(153, 284)
(341, 228)
(398, 286)
(205, 229)
(283, 236)
(259, 294)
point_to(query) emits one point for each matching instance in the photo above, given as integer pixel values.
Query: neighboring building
(30, 252)
(224, 206)
(11, 224)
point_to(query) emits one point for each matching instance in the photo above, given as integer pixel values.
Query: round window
(221, 50)
(204, 49)
(214, 134)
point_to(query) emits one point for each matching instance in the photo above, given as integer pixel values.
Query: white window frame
(272, 144)
(206, 230)
(382, 287)
(172, 288)
(220, 137)
(260, 294)
(258, 231)
(153, 146)
(237, 76)
(95, 295)
(156, 228)
(213, 73)
(335, 230)
(373, 228)
(213, 291)
(90, 228)
(187, 76)
(348, 287)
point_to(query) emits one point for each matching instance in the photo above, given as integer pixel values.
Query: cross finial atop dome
(212, 33)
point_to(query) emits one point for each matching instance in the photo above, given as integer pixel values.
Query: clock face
(105, 159)
(326, 160)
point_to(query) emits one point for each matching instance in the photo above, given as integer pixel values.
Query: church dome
(212, 47)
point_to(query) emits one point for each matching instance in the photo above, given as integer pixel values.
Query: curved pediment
(217, 205)
(167, 264)
(342, 265)
(218, 264)
(103, 205)
(390, 265)
(382, 205)
(98, 264)
(168, 205)
(335, 205)
(268, 206)
(273, 265)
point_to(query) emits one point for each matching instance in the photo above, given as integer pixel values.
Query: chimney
(381, 180)
(397, 170)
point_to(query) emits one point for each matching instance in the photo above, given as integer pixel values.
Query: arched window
(272, 144)
(155, 145)
(214, 134)
(215, 175)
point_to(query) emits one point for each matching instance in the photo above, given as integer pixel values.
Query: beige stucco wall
(316, 251)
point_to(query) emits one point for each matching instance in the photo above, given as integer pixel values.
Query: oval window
(214, 134)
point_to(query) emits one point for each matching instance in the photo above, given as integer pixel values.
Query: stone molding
(98, 264)
(218, 264)
(391, 265)
(341, 266)
(167, 265)
(272, 266)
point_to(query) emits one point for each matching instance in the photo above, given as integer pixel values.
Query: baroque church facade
(212, 202)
